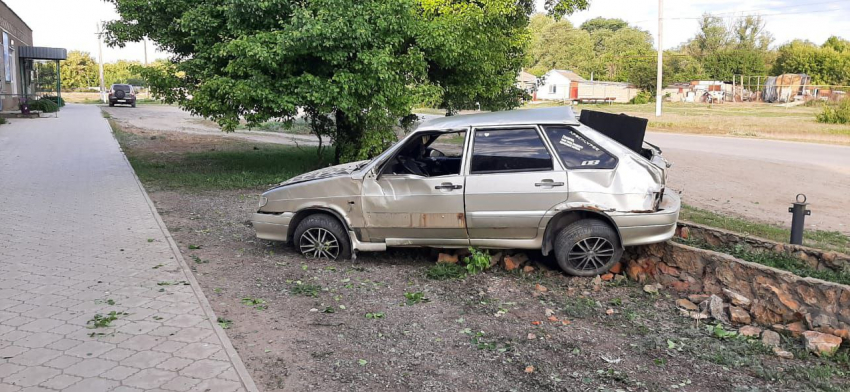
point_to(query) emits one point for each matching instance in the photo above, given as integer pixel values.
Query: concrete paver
(79, 237)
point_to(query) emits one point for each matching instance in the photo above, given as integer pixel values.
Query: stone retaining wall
(815, 258)
(776, 298)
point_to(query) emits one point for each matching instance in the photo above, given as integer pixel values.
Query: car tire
(317, 228)
(587, 247)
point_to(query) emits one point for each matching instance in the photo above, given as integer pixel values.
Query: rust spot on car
(641, 211)
(461, 220)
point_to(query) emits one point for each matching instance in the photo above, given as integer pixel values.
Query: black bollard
(798, 219)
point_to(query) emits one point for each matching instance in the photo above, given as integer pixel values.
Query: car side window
(577, 151)
(509, 150)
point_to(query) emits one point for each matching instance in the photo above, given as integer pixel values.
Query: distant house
(526, 82)
(559, 85)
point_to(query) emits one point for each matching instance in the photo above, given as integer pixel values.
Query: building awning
(42, 53)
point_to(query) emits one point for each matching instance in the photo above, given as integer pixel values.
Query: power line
(782, 7)
(761, 15)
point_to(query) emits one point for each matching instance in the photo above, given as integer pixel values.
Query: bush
(836, 114)
(3, 120)
(642, 98)
(44, 106)
(57, 100)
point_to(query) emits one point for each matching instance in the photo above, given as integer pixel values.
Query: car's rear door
(513, 180)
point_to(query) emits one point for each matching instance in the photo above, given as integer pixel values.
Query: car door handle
(448, 185)
(548, 183)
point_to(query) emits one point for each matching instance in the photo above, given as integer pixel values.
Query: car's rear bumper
(641, 228)
(272, 226)
(126, 100)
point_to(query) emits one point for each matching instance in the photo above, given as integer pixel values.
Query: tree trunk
(349, 138)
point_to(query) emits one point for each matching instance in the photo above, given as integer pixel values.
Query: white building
(559, 85)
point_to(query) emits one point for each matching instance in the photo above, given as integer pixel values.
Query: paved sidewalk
(79, 237)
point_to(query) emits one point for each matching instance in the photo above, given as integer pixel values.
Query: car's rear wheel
(321, 236)
(587, 247)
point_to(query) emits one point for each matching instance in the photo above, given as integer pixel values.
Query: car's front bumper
(641, 228)
(272, 226)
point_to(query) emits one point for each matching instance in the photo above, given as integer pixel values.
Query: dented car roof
(555, 115)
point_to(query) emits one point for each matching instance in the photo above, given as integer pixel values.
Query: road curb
(235, 359)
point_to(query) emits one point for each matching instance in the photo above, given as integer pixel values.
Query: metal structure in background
(798, 219)
(30, 55)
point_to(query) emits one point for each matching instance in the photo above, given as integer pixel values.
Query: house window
(553, 89)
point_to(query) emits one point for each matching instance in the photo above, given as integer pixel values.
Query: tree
(600, 23)
(364, 63)
(79, 70)
(121, 71)
(713, 36)
(823, 63)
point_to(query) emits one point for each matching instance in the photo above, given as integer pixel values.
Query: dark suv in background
(123, 94)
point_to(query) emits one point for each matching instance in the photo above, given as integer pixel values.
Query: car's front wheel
(321, 236)
(587, 247)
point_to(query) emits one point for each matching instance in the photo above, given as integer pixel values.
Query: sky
(72, 24)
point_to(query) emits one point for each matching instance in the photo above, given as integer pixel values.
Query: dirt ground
(327, 326)
(303, 325)
(750, 188)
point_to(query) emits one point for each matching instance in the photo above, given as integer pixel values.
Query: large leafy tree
(360, 63)
(79, 70)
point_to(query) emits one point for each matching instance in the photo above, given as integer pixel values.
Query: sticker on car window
(571, 143)
(590, 163)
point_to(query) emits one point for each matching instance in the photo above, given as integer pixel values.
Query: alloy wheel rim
(319, 243)
(591, 253)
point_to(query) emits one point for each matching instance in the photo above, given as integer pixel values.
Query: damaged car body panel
(531, 179)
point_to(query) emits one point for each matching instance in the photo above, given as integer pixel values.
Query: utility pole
(658, 86)
(145, 42)
(100, 61)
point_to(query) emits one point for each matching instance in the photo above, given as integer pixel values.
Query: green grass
(236, 166)
(298, 127)
(777, 260)
(445, 271)
(820, 239)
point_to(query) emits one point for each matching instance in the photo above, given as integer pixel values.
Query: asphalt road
(758, 179)
(828, 156)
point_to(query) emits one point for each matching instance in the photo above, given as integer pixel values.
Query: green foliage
(57, 100)
(256, 303)
(414, 298)
(477, 261)
(445, 271)
(641, 98)
(363, 65)
(836, 113)
(719, 332)
(779, 260)
(228, 168)
(375, 315)
(826, 64)
(44, 106)
(104, 321)
(305, 289)
(3, 121)
(79, 70)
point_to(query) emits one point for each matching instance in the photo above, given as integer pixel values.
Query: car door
(513, 181)
(411, 209)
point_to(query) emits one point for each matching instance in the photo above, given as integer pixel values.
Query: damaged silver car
(523, 179)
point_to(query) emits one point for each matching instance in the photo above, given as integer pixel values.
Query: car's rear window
(122, 87)
(577, 151)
